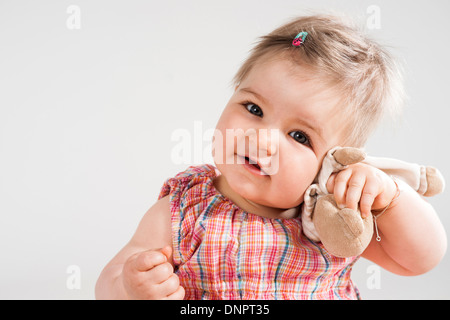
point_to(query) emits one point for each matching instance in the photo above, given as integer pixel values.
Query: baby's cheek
(291, 192)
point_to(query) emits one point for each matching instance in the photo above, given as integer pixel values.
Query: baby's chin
(288, 202)
(274, 203)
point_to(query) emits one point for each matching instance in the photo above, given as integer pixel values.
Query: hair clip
(297, 40)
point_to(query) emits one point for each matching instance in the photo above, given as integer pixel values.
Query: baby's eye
(254, 109)
(300, 137)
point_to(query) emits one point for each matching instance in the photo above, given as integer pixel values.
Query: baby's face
(283, 120)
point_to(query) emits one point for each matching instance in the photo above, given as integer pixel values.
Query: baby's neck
(221, 184)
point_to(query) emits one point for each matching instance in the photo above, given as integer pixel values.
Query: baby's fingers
(340, 187)
(177, 295)
(147, 260)
(169, 286)
(370, 192)
(354, 190)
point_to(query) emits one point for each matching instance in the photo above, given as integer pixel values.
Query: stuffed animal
(343, 232)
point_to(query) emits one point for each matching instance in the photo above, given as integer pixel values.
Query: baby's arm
(413, 240)
(143, 269)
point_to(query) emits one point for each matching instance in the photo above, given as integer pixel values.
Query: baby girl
(234, 230)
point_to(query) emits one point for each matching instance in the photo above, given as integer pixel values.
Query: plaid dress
(223, 252)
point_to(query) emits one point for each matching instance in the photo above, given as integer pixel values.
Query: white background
(87, 115)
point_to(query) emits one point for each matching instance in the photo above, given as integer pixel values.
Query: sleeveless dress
(222, 252)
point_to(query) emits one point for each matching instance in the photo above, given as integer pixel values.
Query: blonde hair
(368, 77)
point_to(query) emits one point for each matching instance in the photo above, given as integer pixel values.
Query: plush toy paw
(435, 182)
(347, 233)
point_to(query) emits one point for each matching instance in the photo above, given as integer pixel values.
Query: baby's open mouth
(254, 166)
(251, 162)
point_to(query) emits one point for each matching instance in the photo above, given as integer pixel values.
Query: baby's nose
(265, 140)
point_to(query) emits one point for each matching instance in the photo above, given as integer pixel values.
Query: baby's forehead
(286, 65)
(277, 77)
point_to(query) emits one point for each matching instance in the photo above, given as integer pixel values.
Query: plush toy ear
(349, 155)
(435, 182)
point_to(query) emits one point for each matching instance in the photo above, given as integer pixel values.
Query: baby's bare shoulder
(155, 229)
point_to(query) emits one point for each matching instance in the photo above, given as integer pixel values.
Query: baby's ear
(349, 155)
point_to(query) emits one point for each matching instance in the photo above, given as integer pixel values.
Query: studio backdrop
(101, 101)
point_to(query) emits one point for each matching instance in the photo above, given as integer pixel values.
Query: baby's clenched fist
(149, 275)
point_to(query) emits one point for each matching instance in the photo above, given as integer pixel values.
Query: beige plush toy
(343, 232)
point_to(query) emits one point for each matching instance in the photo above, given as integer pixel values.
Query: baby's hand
(149, 275)
(369, 186)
